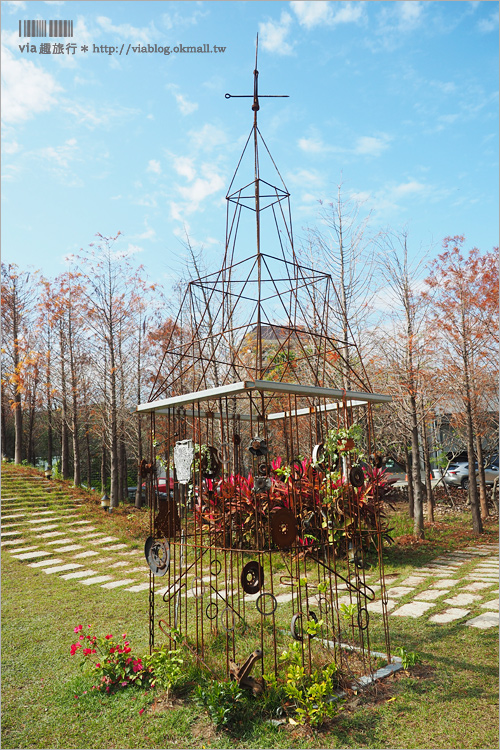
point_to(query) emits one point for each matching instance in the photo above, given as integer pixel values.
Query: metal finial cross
(255, 95)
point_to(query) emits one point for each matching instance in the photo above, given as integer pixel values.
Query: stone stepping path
(63, 542)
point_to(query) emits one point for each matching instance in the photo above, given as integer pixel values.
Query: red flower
(98, 665)
(78, 628)
(87, 651)
(74, 648)
(141, 712)
(108, 637)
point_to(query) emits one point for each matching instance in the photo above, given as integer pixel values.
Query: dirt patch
(407, 540)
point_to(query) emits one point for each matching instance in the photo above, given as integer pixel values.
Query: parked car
(458, 473)
(162, 487)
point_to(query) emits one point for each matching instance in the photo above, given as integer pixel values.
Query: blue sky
(396, 100)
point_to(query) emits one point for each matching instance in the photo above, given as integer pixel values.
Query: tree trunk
(64, 413)
(477, 524)
(138, 491)
(104, 478)
(89, 456)
(428, 474)
(411, 499)
(483, 497)
(418, 520)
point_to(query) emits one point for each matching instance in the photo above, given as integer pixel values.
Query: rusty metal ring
(363, 625)
(218, 567)
(296, 635)
(222, 618)
(264, 470)
(252, 577)
(283, 528)
(198, 588)
(212, 610)
(157, 555)
(356, 476)
(262, 609)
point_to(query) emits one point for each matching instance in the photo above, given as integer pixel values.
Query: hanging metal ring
(261, 607)
(212, 610)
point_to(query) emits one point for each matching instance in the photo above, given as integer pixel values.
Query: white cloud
(313, 145)
(183, 165)
(208, 137)
(13, 6)
(26, 89)
(486, 25)
(89, 115)
(154, 166)
(186, 107)
(273, 35)
(61, 156)
(211, 182)
(149, 234)
(311, 13)
(54, 2)
(305, 177)
(410, 14)
(126, 31)
(371, 146)
(11, 148)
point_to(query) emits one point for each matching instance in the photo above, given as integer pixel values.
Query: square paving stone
(79, 574)
(24, 549)
(143, 587)
(446, 583)
(493, 604)
(105, 540)
(431, 595)
(31, 555)
(412, 581)
(414, 609)
(46, 563)
(88, 553)
(11, 542)
(96, 579)
(476, 586)
(398, 591)
(60, 568)
(461, 599)
(115, 584)
(449, 615)
(376, 607)
(59, 541)
(487, 620)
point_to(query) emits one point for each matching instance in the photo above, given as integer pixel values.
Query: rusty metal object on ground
(283, 527)
(157, 553)
(252, 577)
(242, 673)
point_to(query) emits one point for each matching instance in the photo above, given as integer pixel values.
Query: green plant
(168, 668)
(225, 702)
(312, 694)
(408, 658)
(348, 610)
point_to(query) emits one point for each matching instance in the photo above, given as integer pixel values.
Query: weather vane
(255, 96)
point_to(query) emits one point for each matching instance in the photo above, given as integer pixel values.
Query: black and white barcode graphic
(39, 28)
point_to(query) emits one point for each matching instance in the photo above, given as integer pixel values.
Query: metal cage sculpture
(270, 522)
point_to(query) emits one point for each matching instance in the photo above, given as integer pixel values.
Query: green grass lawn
(450, 701)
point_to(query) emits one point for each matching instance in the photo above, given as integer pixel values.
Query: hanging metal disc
(157, 554)
(252, 577)
(283, 528)
(357, 476)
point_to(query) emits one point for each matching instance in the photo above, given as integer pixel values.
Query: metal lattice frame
(241, 558)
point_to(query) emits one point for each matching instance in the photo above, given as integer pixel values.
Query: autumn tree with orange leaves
(464, 306)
